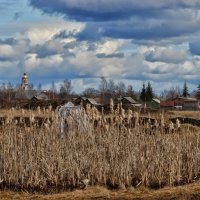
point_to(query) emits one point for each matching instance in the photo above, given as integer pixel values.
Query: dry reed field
(121, 151)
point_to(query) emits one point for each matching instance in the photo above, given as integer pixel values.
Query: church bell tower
(25, 84)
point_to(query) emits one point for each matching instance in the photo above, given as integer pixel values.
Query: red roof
(167, 103)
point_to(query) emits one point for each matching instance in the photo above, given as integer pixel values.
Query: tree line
(107, 89)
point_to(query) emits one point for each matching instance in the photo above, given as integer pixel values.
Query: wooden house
(186, 103)
(84, 101)
(40, 97)
(80, 100)
(153, 104)
(167, 105)
(180, 103)
(128, 102)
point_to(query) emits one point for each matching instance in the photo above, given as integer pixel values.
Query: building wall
(190, 105)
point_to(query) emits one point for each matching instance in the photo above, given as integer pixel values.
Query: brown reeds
(122, 152)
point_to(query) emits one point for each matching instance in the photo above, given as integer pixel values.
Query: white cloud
(166, 55)
(44, 65)
(9, 69)
(42, 32)
(6, 51)
(110, 46)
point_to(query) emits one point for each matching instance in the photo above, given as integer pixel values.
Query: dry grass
(189, 192)
(120, 152)
(192, 114)
(24, 112)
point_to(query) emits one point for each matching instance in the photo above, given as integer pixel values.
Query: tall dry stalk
(124, 155)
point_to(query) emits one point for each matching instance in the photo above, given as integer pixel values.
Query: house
(45, 95)
(128, 102)
(167, 105)
(40, 97)
(91, 102)
(84, 101)
(180, 103)
(186, 103)
(155, 100)
(154, 103)
(80, 100)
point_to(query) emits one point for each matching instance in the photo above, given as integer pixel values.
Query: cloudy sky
(82, 40)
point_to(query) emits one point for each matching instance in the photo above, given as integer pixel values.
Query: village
(28, 98)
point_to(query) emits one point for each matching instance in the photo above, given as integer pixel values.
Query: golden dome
(24, 76)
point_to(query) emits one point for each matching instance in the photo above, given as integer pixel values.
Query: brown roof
(185, 99)
(129, 99)
(92, 101)
(81, 98)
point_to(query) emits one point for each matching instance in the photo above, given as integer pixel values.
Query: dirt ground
(187, 192)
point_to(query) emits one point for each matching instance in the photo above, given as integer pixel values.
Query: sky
(82, 40)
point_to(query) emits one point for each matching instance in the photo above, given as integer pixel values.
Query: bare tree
(10, 91)
(130, 92)
(111, 90)
(172, 93)
(53, 87)
(120, 89)
(90, 92)
(66, 89)
(103, 88)
(68, 86)
(103, 85)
